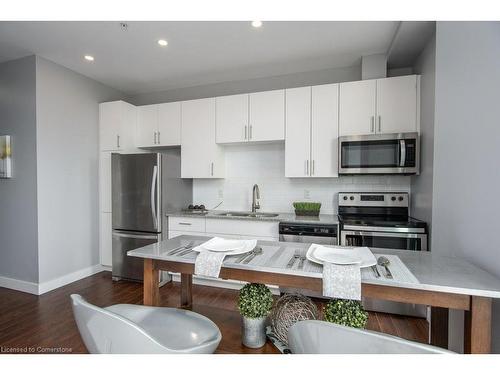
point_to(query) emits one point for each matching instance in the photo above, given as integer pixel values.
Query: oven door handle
(402, 152)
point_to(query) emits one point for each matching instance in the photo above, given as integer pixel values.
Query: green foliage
(307, 206)
(255, 301)
(346, 312)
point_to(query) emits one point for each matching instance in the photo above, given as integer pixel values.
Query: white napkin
(209, 263)
(342, 281)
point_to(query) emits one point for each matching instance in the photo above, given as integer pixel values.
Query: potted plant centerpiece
(255, 302)
(346, 312)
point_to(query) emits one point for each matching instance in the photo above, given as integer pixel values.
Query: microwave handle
(402, 152)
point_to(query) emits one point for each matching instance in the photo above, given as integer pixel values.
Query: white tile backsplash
(264, 165)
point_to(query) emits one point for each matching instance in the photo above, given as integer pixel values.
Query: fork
(293, 259)
(180, 249)
(301, 263)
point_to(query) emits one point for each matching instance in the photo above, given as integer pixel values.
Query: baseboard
(20, 285)
(69, 278)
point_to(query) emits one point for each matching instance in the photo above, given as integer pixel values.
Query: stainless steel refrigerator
(144, 186)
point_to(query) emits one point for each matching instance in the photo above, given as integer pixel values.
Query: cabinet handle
(212, 169)
(245, 132)
(250, 132)
(154, 142)
(379, 124)
(117, 141)
(159, 138)
(182, 223)
(372, 126)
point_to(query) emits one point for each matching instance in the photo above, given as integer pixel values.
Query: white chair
(315, 336)
(143, 329)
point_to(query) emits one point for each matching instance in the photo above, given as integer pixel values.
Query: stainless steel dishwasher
(324, 234)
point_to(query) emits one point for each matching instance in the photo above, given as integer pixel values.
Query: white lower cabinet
(105, 239)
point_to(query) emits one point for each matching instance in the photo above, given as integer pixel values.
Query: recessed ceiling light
(162, 42)
(256, 23)
(89, 58)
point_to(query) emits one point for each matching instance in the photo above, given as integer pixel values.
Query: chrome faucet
(255, 198)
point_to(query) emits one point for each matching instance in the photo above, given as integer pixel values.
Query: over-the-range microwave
(397, 153)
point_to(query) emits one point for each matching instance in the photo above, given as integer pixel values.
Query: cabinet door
(298, 132)
(169, 124)
(232, 118)
(128, 127)
(147, 125)
(105, 182)
(201, 157)
(397, 104)
(267, 116)
(357, 107)
(110, 117)
(105, 239)
(324, 131)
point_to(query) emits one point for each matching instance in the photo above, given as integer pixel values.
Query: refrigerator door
(136, 192)
(125, 267)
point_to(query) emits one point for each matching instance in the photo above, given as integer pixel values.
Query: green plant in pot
(307, 208)
(346, 312)
(255, 302)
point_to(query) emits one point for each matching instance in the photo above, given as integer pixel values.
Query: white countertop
(435, 273)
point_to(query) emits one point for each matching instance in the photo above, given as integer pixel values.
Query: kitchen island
(444, 282)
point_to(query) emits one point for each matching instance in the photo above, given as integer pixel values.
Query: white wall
(466, 147)
(67, 157)
(18, 219)
(421, 186)
(264, 165)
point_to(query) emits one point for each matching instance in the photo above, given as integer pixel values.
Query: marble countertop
(282, 217)
(434, 273)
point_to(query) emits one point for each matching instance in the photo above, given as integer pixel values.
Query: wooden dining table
(443, 282)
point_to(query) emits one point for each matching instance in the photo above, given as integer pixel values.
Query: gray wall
(252, 85)
(466, 147)
(67, 157)
(421, 186)
(18, 197)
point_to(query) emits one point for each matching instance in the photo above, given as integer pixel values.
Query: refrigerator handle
(154, 181)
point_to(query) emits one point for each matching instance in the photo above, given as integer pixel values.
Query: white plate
(363, 255)
(224, 245)
(249, 245)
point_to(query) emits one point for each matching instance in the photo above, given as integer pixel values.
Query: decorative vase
(253, 332)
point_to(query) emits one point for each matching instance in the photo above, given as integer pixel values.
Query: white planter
(253, 332)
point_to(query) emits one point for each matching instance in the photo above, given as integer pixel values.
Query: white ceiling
(198, 53)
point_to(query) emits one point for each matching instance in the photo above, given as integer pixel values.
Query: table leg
(477, 332)
(186, 290)
(151, 284)
(439, 327)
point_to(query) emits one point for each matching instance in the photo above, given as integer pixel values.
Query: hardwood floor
(45, 323)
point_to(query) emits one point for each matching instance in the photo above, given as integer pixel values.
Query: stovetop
(388, 221)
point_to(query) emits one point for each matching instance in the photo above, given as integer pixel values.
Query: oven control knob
(400, 198)
(345, 197)
(351, 198)
(393, 198)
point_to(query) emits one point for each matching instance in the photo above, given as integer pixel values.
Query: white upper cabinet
(232, 118)
(357, 107)
(397, 104)
(169, 124)
(298, 132)
(147, 125)
(117, 122)
(311, 131)
(159, 125)
(201, 157)
(386, 105)
(267, 116)
(324, 130)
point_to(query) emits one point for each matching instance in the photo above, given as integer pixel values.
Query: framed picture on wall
(5, 157)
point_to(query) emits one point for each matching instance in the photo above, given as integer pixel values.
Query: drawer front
(243, 227)
(186, 224)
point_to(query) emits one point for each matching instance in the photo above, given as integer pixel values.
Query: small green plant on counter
(255, 301)
(307, 208)
(346, 312)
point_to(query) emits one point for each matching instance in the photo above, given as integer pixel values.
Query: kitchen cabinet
(201, 157)
(105, 239)
(397, 106)
(159, 125)
(311, 131)
(105, 181)
(380, 106)
(256, 117)
(117, 123)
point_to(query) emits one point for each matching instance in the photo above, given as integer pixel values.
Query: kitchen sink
(247, 214)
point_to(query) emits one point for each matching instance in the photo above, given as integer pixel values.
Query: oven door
(386, 240)
(379, 154)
